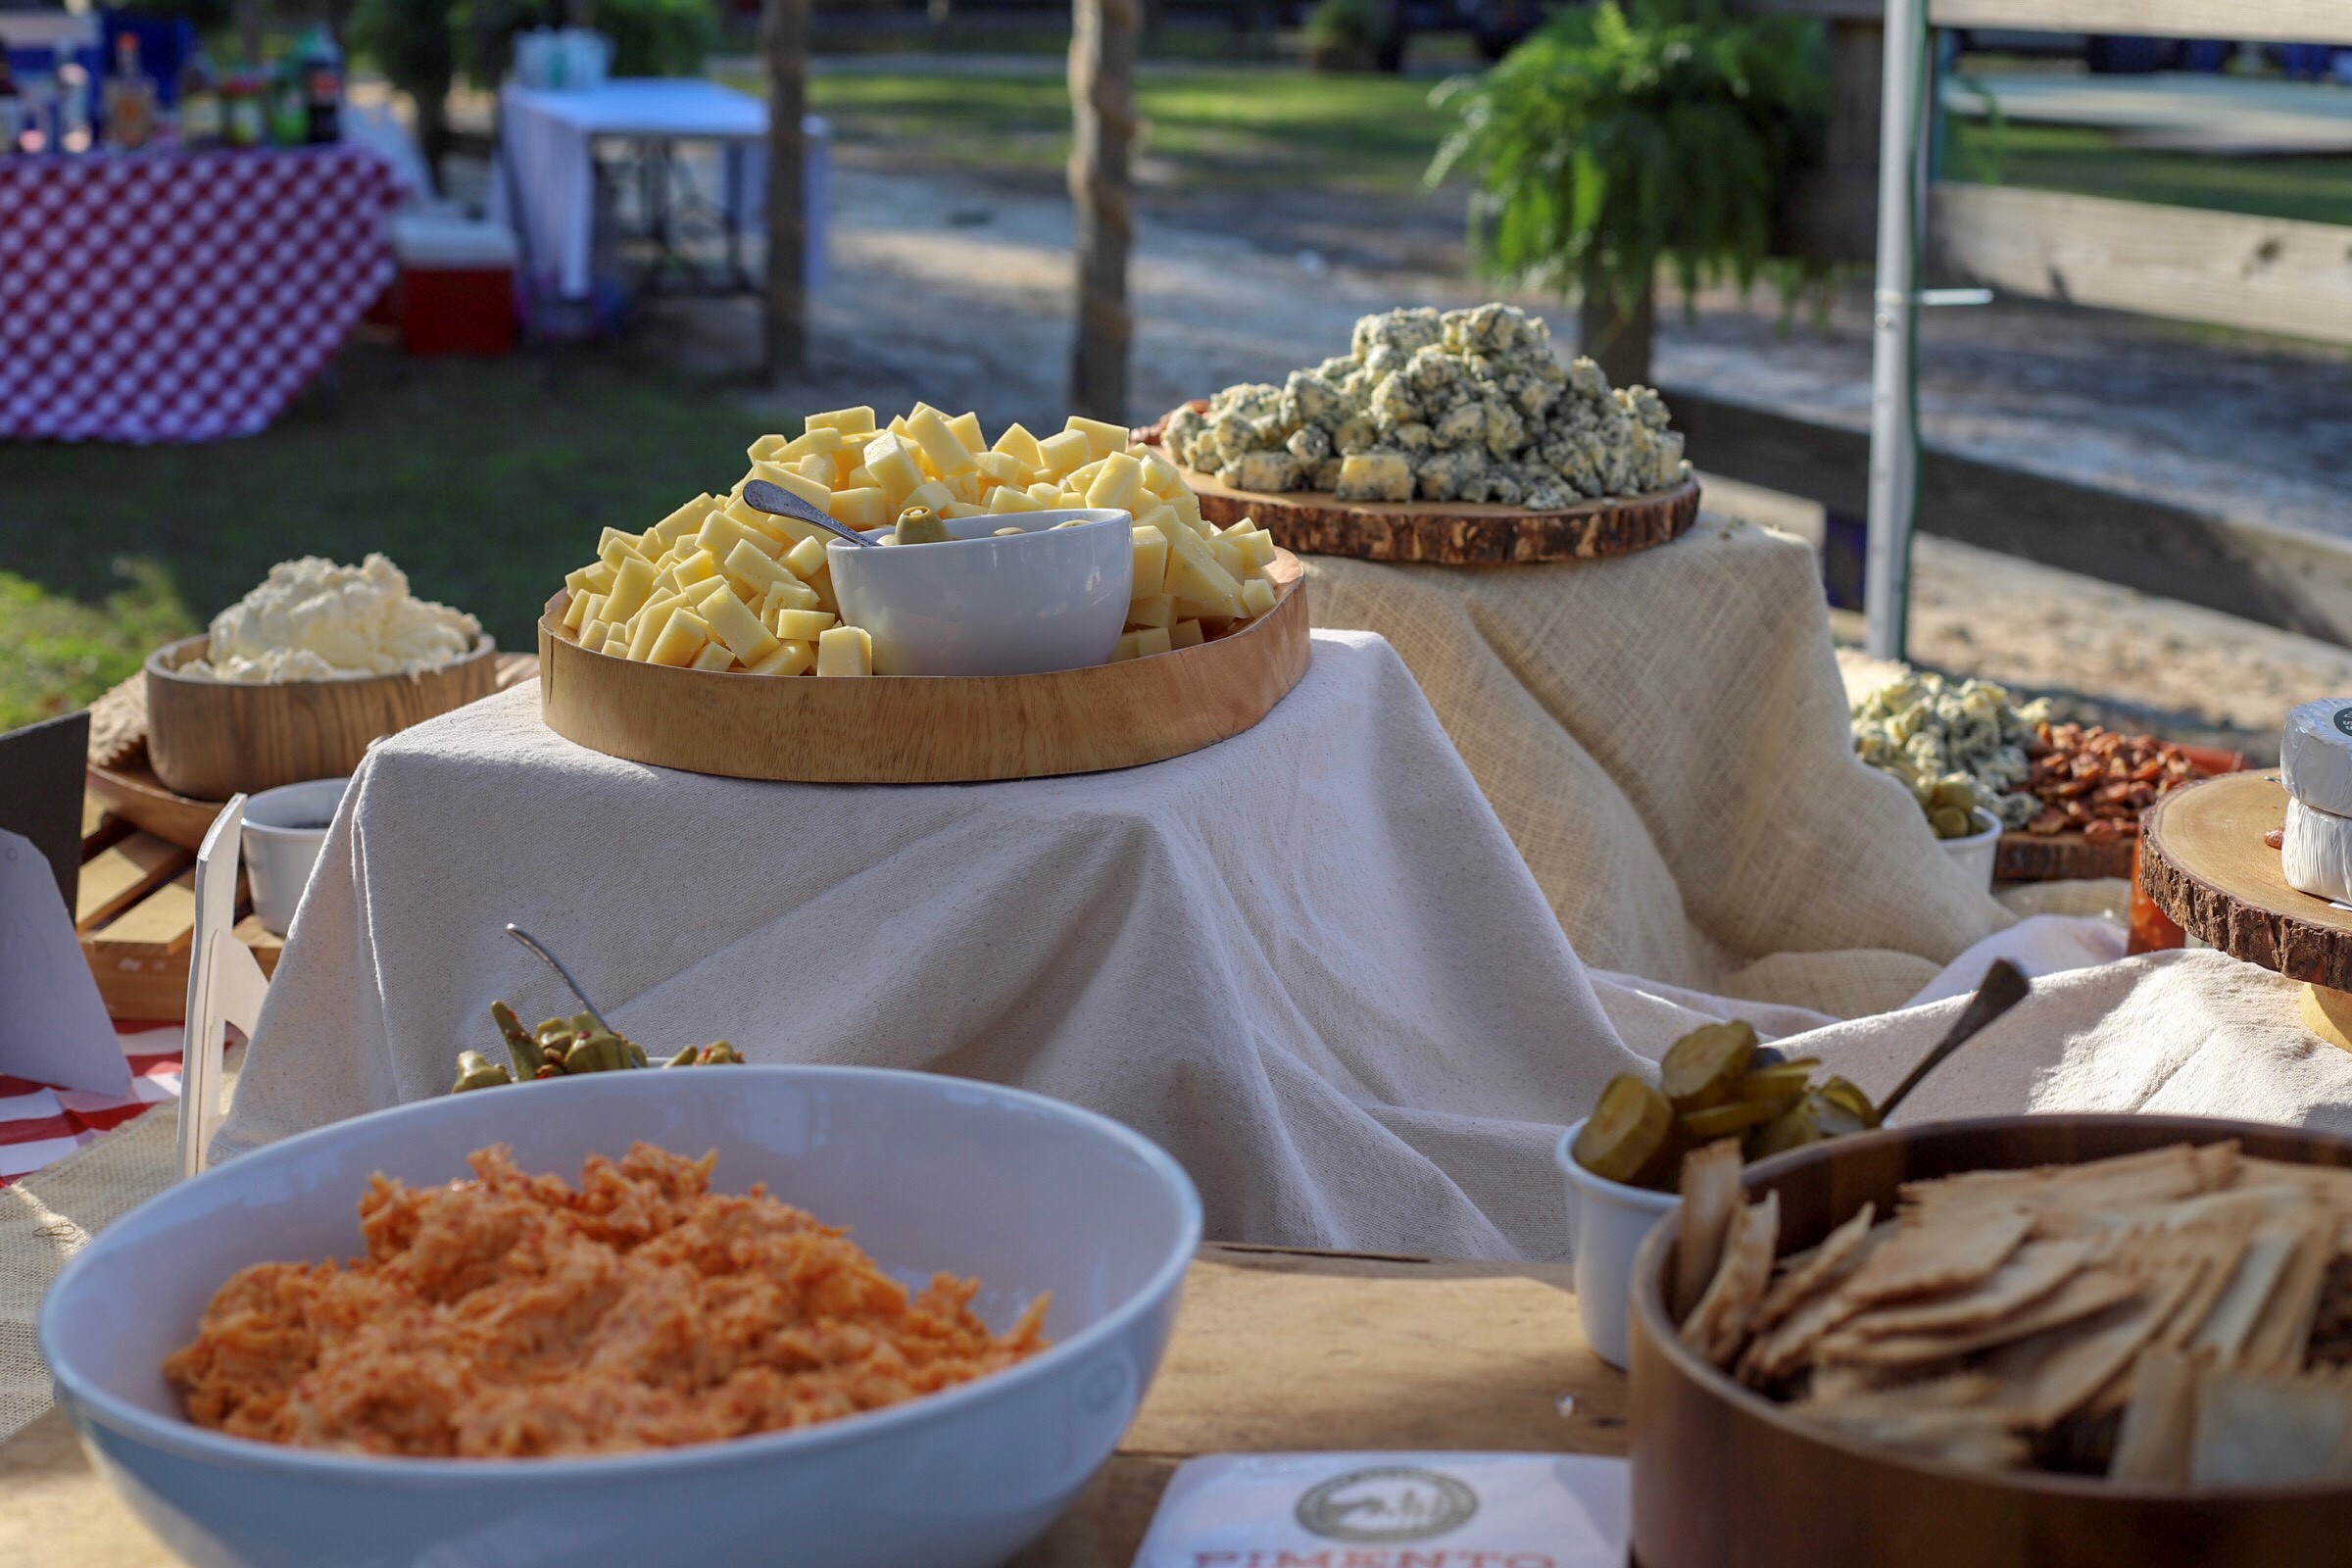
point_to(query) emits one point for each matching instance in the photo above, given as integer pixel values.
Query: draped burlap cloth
(1664, 737)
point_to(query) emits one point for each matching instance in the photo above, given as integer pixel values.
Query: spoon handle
(778, 502)
(2005, 986)
(553, 963)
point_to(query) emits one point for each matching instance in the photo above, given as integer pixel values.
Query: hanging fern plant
(1620, 138)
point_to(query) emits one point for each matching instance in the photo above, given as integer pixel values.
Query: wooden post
(784, 46)
(1103, 42)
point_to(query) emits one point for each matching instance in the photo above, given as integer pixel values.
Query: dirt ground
(955, 290)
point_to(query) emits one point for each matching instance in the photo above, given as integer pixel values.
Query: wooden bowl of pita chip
(2072, 1342)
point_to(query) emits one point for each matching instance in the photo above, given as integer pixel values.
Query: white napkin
(53, 1024)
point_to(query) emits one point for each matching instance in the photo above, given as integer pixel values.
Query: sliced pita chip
(2219, 1164)
(1710, 1203)
(1955, 1251)
(2049, 1376)
(1983, 1439)
(2226, 1328)
(2157, 1176)
(2281, 1336)
(1807, 1274)
(2032, 1272)
(1719, 1326)
(1785, 1351)
(2267, 1431)
(2221, 1250)
(2088, 1292)
(2152, 1450)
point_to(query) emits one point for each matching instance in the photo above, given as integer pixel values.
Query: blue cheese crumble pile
(1444, 406)
(1959, 747)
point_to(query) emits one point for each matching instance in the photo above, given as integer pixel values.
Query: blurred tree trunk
(1616, 333)
(1103, 44)
(784, 42)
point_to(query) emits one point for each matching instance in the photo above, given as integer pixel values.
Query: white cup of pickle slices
(1623, 1163)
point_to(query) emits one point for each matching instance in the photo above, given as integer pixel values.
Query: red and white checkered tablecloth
(39, 1124)
(181, 296)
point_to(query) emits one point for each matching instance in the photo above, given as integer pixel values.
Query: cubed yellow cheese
(684, 520)
(594, 578)
(1258, 596)
(719, 534)
(964, 509)
(790, 593)
(930, 493)
(789, 658)
(1082, 477)
(1058, 454)
(1118, 484)
(632, 586)
(845, 651)
(1153, 610)
(645, 625)
(849, 421)
(1008, 499)
(765, 448)
(617, 548)
(1228, 552)
(748, 563)
(665, 581)
(1103, 437)
(1155, 516)
(863, 507)
(940, 444)
(1186, 634)
(702, 565)
(821, 582)
(594, 632)
(733, 624)
(892, 464)
(1001, 468)
(1187, 504)
(807, 489)
(634, 542)
(858, 478)
(750, 518)
(1072, 499)
(1150, 562)
(806, 559)
(683, 635)
(1195, 574)
(1246, 525)
(801, 625)
(1150, 640)
(582, 610)
(967, 431)
(1260, 548)
(1124, 648)
(1046, 493)
(815, 441)
(818, 468)
(1019, 445)
(713, 656)
(898, 421)
(1160, 474)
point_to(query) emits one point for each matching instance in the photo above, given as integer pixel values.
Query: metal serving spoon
(2005, 986)
(778, 502)
(553, 963)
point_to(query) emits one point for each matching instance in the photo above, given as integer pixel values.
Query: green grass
(1231, 130)
(485, 480)
(2089, 161)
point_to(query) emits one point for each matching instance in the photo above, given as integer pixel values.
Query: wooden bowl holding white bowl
(211, 738)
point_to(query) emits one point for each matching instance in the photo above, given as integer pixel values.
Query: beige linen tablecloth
(1664, 737)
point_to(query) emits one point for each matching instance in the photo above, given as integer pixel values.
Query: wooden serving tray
(925, 729)
(135, 914)
(1453, 534)
(2067, 856)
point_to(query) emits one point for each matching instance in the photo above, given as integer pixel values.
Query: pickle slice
(1771, 1083)
(1791, 1129)
(1848, 1096)
(1701, 1067)
(1732, 1117)
(1628, 1129)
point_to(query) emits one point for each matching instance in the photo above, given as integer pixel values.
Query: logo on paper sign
(2343, 720)
(1392, 1504)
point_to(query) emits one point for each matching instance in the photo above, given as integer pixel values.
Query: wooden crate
(136, 916)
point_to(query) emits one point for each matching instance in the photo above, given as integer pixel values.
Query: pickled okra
(559, 1048)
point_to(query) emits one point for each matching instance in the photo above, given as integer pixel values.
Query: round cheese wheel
(2314, 755)
(2316, 853)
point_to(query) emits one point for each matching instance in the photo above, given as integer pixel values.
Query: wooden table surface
(1274, 1350)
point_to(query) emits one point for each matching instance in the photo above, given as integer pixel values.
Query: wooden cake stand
(1453, 534)
(2203, 860)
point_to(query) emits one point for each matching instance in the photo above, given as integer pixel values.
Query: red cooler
(456, 293)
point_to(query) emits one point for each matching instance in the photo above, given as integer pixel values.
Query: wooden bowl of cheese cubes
(716, 641)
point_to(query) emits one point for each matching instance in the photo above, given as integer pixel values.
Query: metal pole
(1893, 373)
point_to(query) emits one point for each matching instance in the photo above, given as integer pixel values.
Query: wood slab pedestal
(2204, 862)
(1453, 534)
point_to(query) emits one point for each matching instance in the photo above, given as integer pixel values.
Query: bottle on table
(289, 116)
(12, 106)
(321, 87)
(241, 110)
(202, 121)
(130, 98)
(72, 102)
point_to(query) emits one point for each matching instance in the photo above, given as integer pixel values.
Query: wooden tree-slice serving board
(2204, 862)
(2068, 856)
(918, 729)
(1452, 533)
